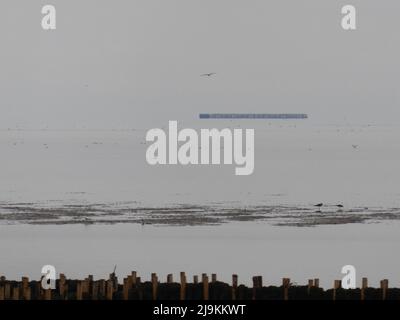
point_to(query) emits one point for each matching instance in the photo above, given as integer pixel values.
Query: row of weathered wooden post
(90, 289)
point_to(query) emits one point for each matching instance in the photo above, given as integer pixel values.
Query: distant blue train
(253, 116)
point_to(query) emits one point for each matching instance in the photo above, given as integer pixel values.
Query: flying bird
(207, 74)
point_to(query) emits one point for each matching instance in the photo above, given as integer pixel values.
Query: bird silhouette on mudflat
(319, 206)
(207, 74)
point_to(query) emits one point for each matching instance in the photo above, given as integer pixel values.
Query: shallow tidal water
(244, 248)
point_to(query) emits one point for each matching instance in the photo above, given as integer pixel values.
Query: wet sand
(187, 215)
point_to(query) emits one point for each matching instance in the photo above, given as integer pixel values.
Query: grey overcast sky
(129, 63)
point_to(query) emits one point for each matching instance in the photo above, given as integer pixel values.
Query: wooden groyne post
(154, 282)
(336, 285)
(285, 286)
(170, 278)
(257, 284)
(309, 286)
(182, 293)
(364, 286)
(384, 288)
(205, 286)
(234, 286)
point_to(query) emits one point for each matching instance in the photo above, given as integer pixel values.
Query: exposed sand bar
(57, 213)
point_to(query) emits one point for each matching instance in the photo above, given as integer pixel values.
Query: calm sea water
(295, 164)
(245, 248)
